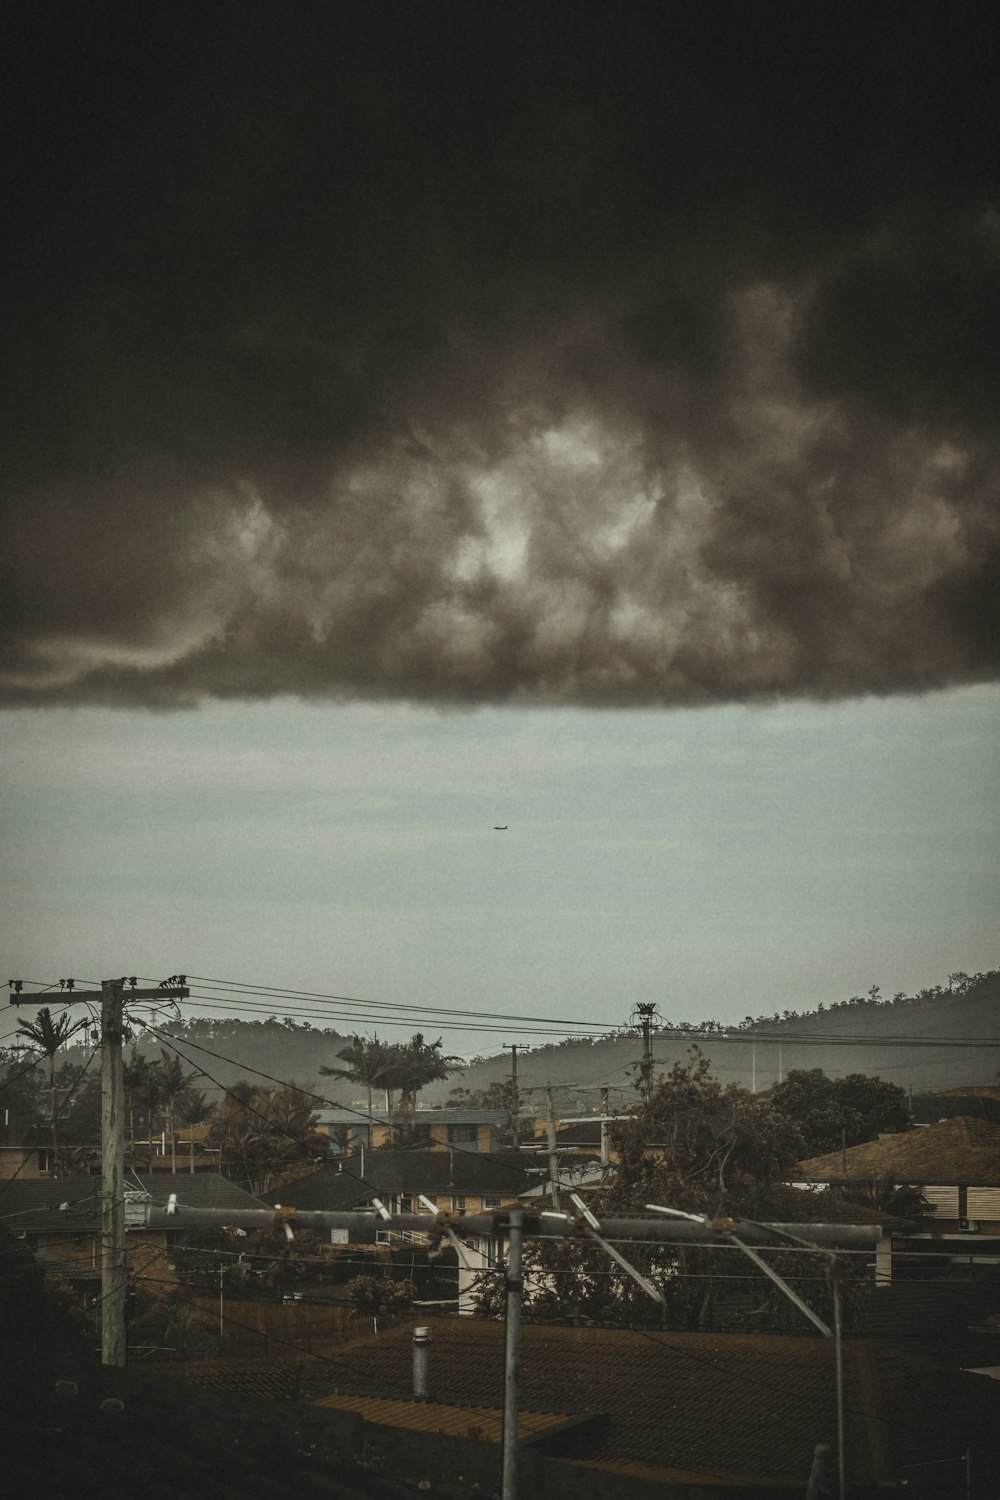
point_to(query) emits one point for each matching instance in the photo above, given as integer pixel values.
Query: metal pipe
(839, 1352)
(662, 1231)
(422, 1363)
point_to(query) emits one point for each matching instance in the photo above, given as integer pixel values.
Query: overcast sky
(427, 418)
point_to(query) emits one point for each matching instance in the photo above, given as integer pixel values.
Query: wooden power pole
(114, 1275)
(515, 1103)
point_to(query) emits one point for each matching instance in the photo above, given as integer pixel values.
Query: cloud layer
(552, 362)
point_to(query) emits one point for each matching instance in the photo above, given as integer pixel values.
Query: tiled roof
(387, 1171)
(327, 1188)
(961, 1150)
(76, 1271)
(827, 1206)
(38, 1204)
(739, 1408)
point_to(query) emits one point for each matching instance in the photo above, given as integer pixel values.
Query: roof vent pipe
(422, 1364)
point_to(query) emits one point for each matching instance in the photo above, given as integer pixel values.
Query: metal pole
(550, 1132)
(839, 1354)
(112, 1176)
(222, 1304)
(422, 1363)
(605, 1142)
(512, 1355)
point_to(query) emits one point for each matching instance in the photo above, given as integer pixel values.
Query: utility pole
(512, 1354)
(550, 1140)
(645, 1013)
(605, 1143)
(113, 1258)
(111, 996)
(515, 1103)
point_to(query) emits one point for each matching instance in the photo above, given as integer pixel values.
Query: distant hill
(914, 1041)
(911, 1040)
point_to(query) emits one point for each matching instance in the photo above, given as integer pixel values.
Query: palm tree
(370, 1062)
(50, 1036)
(418, 1064)
(136, 1070)
(262, 1132)
(194, 1108)
(173, 1082)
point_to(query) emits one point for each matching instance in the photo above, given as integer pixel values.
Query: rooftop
(736, 1408)
(386, 1171)
(73, 1204)
(960, 1150)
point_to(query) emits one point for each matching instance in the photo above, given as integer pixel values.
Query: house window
(458, 1203)
(492, 1200)
(45, 1161)
(462, 1135)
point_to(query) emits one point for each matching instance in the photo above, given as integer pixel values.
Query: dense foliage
(700, 1147)
(835, 1112)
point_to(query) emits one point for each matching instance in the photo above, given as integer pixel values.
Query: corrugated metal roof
(482, 1422)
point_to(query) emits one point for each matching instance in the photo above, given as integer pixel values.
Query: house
(470, 1129)
(956, 1165)
(454, 1182)
(27, 1152)
(737, 1411)
(60, 1220)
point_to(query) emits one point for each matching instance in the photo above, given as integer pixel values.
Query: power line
(263, 990)
(70, 1092)
(307, 1093)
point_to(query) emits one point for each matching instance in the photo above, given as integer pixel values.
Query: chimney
(422, 1363)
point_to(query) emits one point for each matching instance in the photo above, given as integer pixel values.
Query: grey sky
(719, 862)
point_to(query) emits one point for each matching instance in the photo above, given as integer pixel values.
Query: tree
(366, 1061)
(20, 1092)
(142, 1090)
(32, 1308)
(832, 1112)
(403, 1067)
(701, 1147)
(173, 1083)
(263, 1133)
(193, 1108)
(49, 1035)
(381, 1297)
(499, 1095)
(418, 1063)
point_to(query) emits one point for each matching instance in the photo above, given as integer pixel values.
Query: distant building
(956, 1165)
(471, 1129)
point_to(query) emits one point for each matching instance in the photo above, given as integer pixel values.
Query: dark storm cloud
(500, 354)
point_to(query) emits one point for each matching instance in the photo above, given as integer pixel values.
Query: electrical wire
(320, 1098)
(55, 1117)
